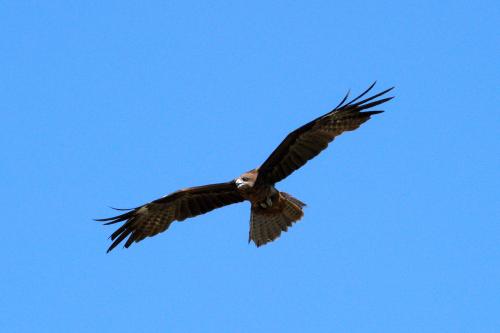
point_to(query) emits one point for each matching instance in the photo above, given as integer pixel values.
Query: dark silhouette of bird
(271, 211)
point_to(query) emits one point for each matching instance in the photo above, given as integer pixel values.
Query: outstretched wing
(309, 140)
(156, 216)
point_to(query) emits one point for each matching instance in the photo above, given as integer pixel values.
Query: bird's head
(246, 180)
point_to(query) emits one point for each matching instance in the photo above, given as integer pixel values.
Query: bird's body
(262, 195)
(272, 211)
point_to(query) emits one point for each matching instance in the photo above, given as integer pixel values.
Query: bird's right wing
(156, 216)
(309, 140)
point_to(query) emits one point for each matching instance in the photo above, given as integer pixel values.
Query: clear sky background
(116, 103)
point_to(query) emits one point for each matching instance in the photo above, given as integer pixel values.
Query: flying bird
(271, 211)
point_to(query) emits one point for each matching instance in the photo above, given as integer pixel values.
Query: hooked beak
(239, 183)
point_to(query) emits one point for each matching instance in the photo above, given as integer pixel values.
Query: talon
(263, 205)
(269, 201)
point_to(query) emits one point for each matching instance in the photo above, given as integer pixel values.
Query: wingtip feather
(343, 100)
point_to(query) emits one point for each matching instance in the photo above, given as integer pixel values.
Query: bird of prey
(271, 211)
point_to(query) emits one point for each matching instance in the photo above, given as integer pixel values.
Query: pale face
(246, 180)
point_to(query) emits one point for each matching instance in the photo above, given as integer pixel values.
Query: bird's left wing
(309, 140)
(156, 216)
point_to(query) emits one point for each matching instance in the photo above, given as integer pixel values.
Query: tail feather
(266, 225)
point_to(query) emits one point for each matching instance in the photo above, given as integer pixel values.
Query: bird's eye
(244, 179)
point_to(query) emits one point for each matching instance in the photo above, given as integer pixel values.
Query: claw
(269, 201)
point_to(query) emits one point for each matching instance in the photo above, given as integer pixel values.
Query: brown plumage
(271, 211)
(266, 224)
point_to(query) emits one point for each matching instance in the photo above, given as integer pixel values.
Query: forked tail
(266, 224)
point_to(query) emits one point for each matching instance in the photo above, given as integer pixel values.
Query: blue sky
(116, 103)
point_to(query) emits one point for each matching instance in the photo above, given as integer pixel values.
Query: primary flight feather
(272, 211)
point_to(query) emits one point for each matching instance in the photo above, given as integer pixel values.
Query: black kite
(272, 211)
